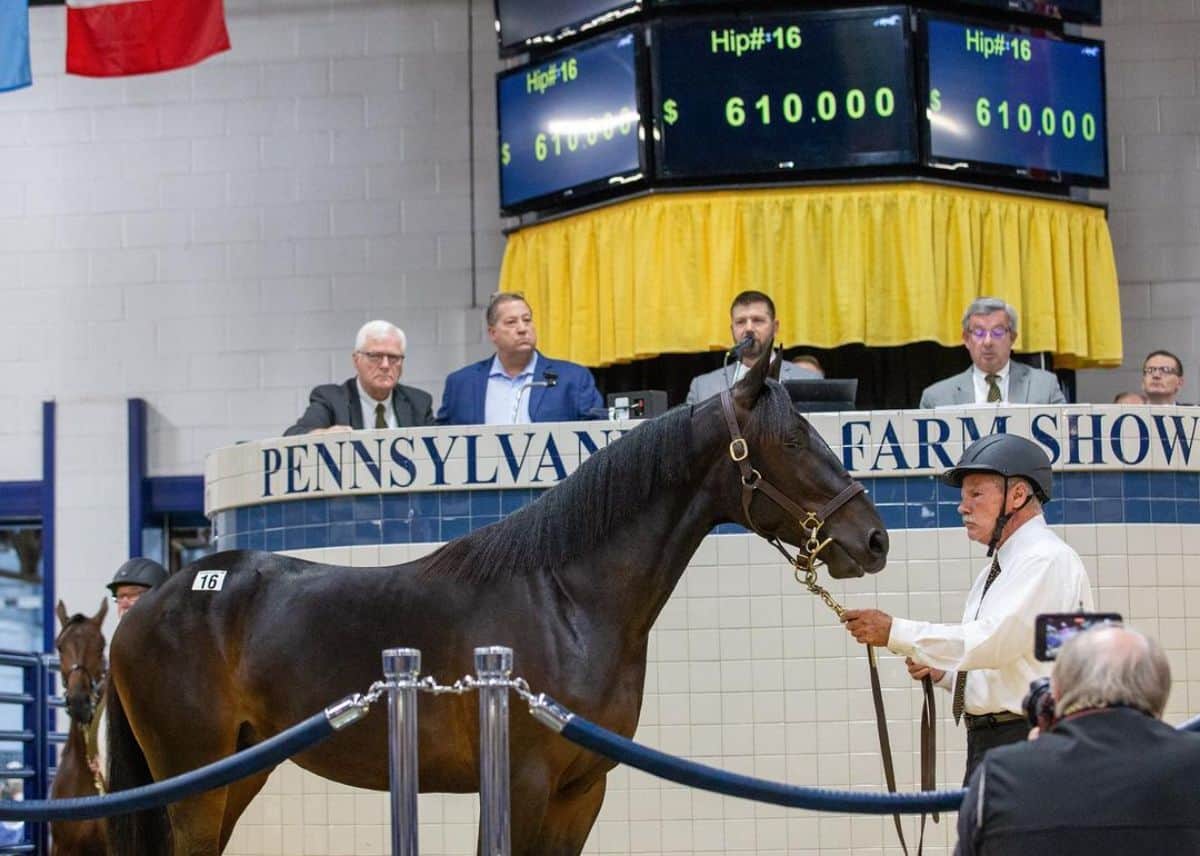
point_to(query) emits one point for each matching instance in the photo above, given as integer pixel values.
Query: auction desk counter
(1112, 464)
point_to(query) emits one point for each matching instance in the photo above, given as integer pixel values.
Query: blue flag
(14, 45)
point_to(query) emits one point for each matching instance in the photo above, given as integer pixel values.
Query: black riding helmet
(1005, 455)
(1010, 457)
(138, 572)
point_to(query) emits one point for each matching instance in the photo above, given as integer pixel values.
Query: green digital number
(539, 147)
(793, 107)
(788, 37)
(826, 105)
(1087, 126)
(1051, 121)
(735, 112)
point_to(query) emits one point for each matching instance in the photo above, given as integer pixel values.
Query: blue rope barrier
(237, 766)
(625, 751)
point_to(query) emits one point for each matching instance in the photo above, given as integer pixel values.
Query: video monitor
(570, 125)
(822, 394)
(1013, 103)
(526, 24)
(771, 95)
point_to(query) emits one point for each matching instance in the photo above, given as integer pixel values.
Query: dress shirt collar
(1027, 534)
(981, 376)
(497, 369)
(365, 397)
(367, 405)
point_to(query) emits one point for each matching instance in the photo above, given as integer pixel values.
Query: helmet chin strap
(1003, 518)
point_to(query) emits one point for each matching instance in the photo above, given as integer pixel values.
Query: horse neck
(643, 559)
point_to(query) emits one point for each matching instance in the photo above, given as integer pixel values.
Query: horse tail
(141, 832)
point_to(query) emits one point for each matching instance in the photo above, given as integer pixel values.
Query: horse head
(785, 483)
(80, 646)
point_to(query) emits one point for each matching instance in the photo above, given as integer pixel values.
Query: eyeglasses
(981, 333)
(1154, 371)
(376, 358)
(127, 597)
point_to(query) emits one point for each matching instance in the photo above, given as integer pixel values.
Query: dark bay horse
(572, 583)
(80, 645)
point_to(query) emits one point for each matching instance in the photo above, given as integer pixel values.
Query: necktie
(960, 681)
(993, 387)
(380, 419)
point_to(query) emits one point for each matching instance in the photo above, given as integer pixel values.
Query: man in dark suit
(989, 331)
(518, 383)
(373, 398)
(1108, 776)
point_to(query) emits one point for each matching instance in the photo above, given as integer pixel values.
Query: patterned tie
(993, 387)
(960, 681)
(380, 419)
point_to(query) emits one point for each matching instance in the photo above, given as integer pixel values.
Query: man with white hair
(1108, 776)
(373, 398)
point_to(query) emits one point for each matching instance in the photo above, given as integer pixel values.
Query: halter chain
(810, 522)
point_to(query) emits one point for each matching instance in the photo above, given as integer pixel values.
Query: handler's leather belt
(990, 720)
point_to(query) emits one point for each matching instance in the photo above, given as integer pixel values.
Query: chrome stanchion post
(402, 668)
(493, 667)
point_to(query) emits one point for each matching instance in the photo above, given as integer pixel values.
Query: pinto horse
(80, 646)
(572, 583)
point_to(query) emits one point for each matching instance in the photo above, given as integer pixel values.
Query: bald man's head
(1108, 666)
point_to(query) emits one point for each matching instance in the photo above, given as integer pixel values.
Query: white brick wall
(1154, 133)
(211, 238)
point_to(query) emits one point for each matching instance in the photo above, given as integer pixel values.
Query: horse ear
(747, 390)
(61, 612)
(776, 365)
(98, 618)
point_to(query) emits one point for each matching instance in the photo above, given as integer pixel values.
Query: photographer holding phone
(987, 661)
(1107, 776)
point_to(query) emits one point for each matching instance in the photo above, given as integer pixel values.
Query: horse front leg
(551, 823)
(570, 816)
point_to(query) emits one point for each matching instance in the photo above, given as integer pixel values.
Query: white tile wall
(187, 235)
(750, 673)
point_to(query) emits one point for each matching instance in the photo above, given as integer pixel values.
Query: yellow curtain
(881, 264)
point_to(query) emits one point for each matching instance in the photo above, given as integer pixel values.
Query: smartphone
(1052, 630)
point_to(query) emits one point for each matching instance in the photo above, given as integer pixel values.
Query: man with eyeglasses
(374, 397)
(1162, 377)
(989, 330)
(518, 384)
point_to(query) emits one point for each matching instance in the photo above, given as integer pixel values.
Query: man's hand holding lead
(869, 626)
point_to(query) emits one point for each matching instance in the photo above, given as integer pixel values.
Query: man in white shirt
(987, 661)
(989, 331)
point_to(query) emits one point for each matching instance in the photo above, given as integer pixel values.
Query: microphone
(549, 379)
(735, 353)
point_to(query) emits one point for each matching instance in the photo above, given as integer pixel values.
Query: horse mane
(611, 488)
(579, 513)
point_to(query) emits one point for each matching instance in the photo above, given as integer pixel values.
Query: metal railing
(37, 738)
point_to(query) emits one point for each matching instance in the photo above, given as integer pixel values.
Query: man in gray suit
(373, 398)
(989, 331)
(752, 314)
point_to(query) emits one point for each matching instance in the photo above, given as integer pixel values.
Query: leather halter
(804, 562)
(810, 521)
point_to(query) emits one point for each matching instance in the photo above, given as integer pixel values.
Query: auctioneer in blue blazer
(518, 384)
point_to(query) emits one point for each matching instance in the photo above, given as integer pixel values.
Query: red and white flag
(110, 38)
